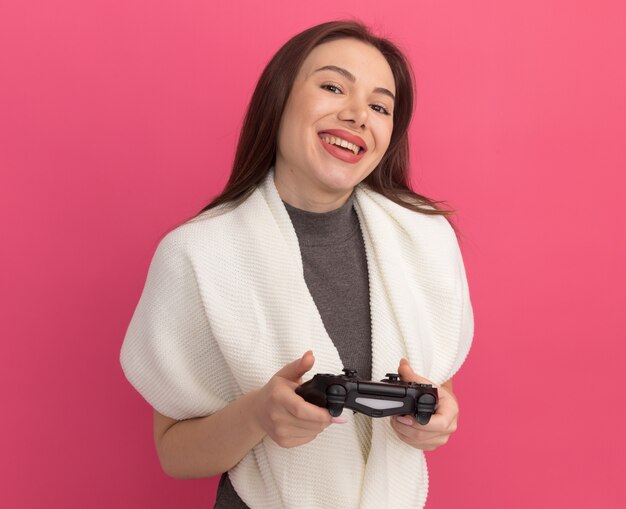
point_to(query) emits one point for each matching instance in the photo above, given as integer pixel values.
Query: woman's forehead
(361, 60)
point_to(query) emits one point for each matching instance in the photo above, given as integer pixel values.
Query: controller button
(349, 372)
(336, 390)
(392, 377)
(335, 409)
(423, 418)
(427, 399)
(378, 404)
(335, 398)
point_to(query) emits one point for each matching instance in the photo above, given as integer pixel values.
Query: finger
(417, 435)
(288, 432)
(409, 421)
(447, 411)
(439, 423)
(436, 424)
(424, 445)
(311, 414)
(408, 375)
(305, 411)
(291, 429)
(295, 369)
(445, 391)
(304, 428)
(409, 431)
(447, 404)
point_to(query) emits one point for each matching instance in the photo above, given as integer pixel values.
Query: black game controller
(376, 399)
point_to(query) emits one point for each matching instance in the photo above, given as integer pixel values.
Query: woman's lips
(345, 135)
(341, 153)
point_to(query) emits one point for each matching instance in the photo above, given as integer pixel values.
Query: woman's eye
(382, 109)
(335, 89)
(332, 88)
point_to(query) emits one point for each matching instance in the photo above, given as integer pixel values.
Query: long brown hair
(256, 149)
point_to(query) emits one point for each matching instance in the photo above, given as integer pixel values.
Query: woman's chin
(340, 177)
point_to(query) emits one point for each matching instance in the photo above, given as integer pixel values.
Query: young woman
(317, 250)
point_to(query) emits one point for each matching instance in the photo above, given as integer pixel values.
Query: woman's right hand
(287, 418)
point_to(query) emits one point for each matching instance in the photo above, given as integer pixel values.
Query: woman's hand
(442, 423)
(282, 414)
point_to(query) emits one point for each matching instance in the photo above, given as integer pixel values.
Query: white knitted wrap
(225, 306)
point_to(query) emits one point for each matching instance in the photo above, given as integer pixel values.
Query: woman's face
(344, 91)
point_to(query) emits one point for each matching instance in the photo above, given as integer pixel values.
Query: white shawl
(225, 306)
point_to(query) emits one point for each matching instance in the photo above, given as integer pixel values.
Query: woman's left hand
(442, 423)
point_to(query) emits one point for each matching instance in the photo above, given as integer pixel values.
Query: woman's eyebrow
(348, 75)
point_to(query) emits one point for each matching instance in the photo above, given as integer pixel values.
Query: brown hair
(256, 149)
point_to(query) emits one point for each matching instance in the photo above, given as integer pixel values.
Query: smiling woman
(336, 100)
(317, 256)
(317, 54)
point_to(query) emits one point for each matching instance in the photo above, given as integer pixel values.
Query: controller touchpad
(378, 404)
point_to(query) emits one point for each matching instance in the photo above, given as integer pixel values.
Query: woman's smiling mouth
(343, 145)
(341, 149)
(344, 139)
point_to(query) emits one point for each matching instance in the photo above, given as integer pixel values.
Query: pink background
(118, 120)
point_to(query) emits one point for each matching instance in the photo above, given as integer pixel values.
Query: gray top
(335, 271)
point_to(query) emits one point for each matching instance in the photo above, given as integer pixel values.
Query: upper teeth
(342, 143)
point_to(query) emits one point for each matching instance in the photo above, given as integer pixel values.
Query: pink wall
(118, 120)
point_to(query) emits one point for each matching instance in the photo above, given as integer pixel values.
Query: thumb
(295, 369)
(408, 375)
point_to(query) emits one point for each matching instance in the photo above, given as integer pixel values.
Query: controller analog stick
(335, 398)
(425, 408)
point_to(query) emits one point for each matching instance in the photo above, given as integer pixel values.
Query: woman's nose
(355, 110)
